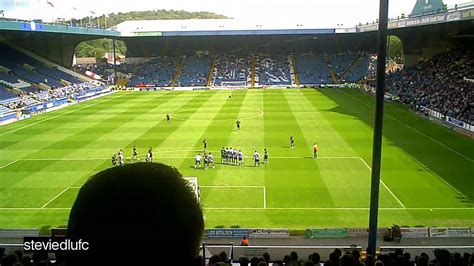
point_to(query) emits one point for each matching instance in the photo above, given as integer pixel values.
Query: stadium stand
(5, 94)
(55, 73)
(25, 81)
(4, 110)
(341, 62)
(232, 70)
(358, 70)
(29, 69)
(195, 71)
(11, 81)
(312, 69)
(158, 71)
(273, 70)
(439, 84)
(236, 70)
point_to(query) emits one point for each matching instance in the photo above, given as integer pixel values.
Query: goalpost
(193, 183)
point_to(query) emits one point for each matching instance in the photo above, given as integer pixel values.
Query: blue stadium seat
(232, 70)
(273, 70)
(195, 71)
(312, 70)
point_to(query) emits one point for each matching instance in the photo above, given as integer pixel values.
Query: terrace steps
(252, 68)
(343, 75)
(178, 72)
(211, 72)
(294, 75)
(331, 71)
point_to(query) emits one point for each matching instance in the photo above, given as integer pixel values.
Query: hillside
(99, 47)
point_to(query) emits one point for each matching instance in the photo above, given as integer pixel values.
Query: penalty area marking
(383, 184)
(412, 128)
(264, 189)
(55, 197)
(8, 164)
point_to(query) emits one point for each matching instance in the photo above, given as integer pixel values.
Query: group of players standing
(118, 159)
(228, 155)
(232, 156)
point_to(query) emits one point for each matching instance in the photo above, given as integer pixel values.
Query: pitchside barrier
(407, 232)
(327, 233)
(249, 233)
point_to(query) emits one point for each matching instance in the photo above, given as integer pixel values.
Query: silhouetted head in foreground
(141, 208)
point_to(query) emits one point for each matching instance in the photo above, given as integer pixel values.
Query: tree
(98, 48)
(395, 45)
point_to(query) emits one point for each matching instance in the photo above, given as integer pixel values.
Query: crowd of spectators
(440, 257)
(195, 71)
(441, 84)
(338, 258)
(232, 70)
(30, 98)
(273, 70)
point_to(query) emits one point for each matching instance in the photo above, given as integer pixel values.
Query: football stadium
(270, 127)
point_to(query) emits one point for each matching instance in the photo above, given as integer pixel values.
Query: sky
(322, 12)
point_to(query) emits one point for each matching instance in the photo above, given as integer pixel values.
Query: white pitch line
(46, 204)
(264, 197)
(383, 184)
(177, 157)
(232, 186)
(336, 209)
(62, 159)
(8, 164)
(58, 115)
(31, 209)
(414, 129)
(283, 208)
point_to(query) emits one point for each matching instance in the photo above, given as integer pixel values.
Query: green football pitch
(427, 169)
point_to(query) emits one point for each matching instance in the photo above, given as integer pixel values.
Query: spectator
(214, 260)
(266, 257)
(244, 242)
(2, 254)
(10, 260)
(347, 260)
(244, 261)
(223, 257)
(369, 260)
(255, 261)
(315, 258)
(379, 263)
(152, 198)
(422, 261)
